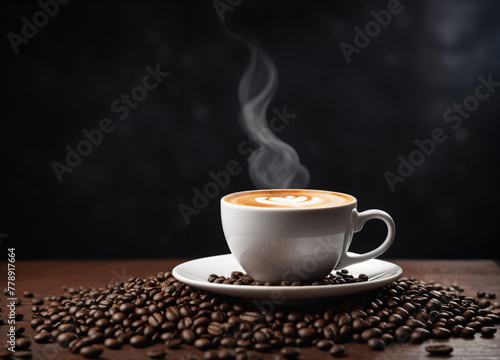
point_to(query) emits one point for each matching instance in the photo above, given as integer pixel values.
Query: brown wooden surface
(48, 277)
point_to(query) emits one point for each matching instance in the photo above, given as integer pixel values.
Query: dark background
(353, 121)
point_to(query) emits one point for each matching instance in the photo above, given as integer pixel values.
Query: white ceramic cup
(297, 243)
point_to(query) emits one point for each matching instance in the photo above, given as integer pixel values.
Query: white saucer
(195, 273)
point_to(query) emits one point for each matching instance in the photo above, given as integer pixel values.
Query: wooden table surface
(48, 277)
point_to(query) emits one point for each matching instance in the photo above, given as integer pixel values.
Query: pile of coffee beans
(162, 314)
(239, 278)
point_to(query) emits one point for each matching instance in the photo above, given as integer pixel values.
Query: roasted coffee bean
(441, 333)
(215, 329)
(156, 353)
(20, 330)
(203, 344)
(138, 341)
(153, 309)
(307, 333)
(402, 334)
(67, 328)
(468, 332)
(488, 331)
(418, 335)
(358, 325)
(456, 330)
(111, 343)
(371, 333)
(324, 344)
(42, 337)
(251, 317)
(376, 344)
(442, 350)
(65, 338)
(188, 336)
(22, 343)
(337, 350)
(127, 308)
(91, 352)
(36, 322)
(173, 343)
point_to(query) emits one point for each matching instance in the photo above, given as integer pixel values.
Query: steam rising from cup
(274, 164)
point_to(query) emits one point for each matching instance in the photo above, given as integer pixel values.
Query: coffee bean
(251, 317)
(155, 320)
(36, 322)
(65, 338)
(42, 337)
(468, 332)
(418, 335)
(376, 344)
(22, 343)
(188, 336)
(203, 344)
(290, 353)
(173, 343)
(307, 333)
(127, 308)
(370, 333)
(488, 331)
(91, 352)
(441, 333)
(138, 341)
(67, 328)
(111, 343)
(19, 331)
(324, 344)
(153, 309)
(439, 349)
(337, 350)
(215, 329)
(156, 353)
(358, 325)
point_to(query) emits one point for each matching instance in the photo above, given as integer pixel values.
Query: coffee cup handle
(357, 221)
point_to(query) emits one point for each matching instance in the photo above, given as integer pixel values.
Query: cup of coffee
(296, 234)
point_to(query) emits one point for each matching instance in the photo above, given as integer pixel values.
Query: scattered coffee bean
(111, 343)
(468, 332)
(441, 333)
(488, 331)
(42, 337)
(376, 344)
(22, 343)
(337, 350)
(324, 344)
(156, 353)
(91, 352)
(158, 309)
(238, 278)
(442, 350)
(203, 344)
(28, 294)
(138, 341)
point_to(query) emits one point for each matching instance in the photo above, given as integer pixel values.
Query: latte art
(291, 199)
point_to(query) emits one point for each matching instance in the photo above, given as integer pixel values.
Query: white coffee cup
(296, 234)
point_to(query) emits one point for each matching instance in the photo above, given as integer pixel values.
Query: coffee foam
(289, 198)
